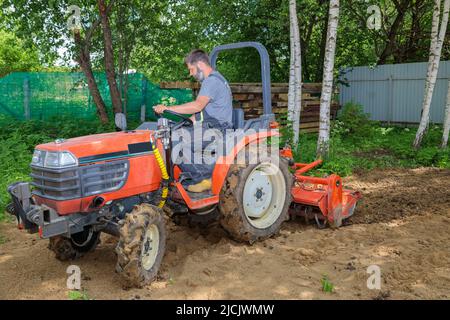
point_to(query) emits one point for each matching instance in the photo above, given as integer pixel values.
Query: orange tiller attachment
(326, 194)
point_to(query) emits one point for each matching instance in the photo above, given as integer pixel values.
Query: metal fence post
(390, 115)
(144, 96)
(26, 98)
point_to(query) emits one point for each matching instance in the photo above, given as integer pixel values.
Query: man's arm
(188, 108)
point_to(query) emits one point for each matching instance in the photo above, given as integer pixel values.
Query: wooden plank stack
(248, 96)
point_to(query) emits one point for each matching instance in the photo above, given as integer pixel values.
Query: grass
(78, 295)
(366, 145)
(327, 286)
(356, 144)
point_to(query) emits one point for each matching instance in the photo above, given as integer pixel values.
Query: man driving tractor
(118, 182)
(212, 109)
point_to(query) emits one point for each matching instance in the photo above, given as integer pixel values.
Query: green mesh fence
(43, 95)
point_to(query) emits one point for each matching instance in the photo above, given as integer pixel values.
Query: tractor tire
(76, 246)
(248, 214)
(141, 245)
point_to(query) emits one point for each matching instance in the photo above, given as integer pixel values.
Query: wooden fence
(248, 96)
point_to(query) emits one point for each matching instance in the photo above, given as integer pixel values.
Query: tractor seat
(238, 118)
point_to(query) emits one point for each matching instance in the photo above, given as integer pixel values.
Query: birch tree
(295, 73)
(446, 120)
(437, 40)
(323, 142)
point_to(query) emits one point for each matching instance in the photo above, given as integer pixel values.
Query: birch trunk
(433, 66)
(434, 37)
(446, 120)
(291, 95)
(323, 142)
(295, 74)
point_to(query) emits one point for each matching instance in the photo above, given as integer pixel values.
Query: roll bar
(265, 67)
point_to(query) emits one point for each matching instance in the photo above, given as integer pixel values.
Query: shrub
(352, 122)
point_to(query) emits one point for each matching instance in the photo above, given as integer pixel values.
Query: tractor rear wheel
(75, 246)
(141, 246)
(255, 199)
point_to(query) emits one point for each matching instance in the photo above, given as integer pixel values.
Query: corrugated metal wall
(395, 92)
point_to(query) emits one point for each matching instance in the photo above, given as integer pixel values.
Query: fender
(224, 163)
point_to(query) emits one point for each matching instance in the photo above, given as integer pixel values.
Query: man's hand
(160, 108)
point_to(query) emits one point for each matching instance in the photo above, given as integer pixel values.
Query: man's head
(198, 64)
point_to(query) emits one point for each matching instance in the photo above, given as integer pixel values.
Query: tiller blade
(327, 194)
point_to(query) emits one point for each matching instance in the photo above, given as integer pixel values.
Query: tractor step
(199, 195)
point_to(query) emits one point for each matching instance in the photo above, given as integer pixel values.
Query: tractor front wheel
(75, 246)
(141, 245)
(255, 199)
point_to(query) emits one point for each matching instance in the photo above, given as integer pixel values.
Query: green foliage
(154, 36)
(352, 121)
(327, 286)
(78, 295)
(375, 147)
(14, 56)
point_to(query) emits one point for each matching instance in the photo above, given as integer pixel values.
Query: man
(212, 108)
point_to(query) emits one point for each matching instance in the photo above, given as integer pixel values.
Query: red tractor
(118, 182)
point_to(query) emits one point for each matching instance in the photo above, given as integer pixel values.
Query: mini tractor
(118, 183)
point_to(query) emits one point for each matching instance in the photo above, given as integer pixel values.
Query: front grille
(78, 182)
(109, 176)
(57, 184)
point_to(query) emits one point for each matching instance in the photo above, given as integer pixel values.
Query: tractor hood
(92, 147)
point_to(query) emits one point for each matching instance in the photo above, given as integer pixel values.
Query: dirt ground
(402, 225)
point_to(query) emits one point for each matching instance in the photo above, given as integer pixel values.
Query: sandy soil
(401, 225)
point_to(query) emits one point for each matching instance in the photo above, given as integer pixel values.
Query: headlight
(59, 160)
(38, 158)
(51, 159)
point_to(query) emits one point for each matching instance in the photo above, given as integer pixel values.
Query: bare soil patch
(402, 225)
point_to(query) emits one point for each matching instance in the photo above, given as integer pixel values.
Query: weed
(327, 286)
(78, 295)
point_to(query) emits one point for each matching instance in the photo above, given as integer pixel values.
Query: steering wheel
(185, 119)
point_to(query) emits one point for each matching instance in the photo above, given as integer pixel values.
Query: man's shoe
(201, 186)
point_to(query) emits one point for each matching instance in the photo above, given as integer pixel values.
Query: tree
(84, 60)
(437, 40)
(327, 86)
(401, 6)
(47, 26)
(446, 120)
(109, 56)
(14, 56)
(295, 74)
